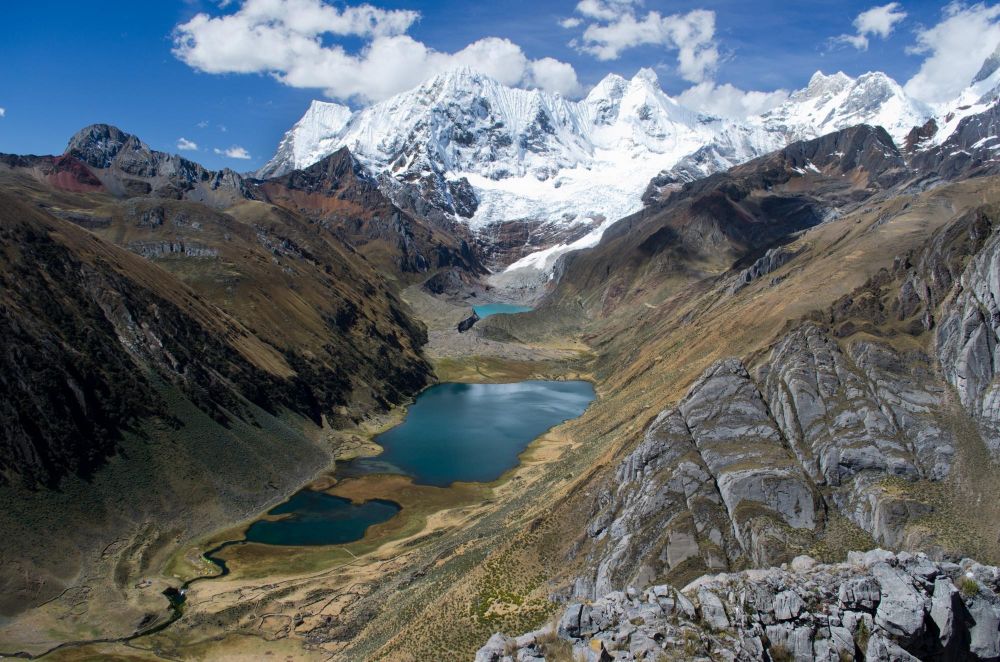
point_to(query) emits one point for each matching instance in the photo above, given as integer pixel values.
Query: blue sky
(67, 64)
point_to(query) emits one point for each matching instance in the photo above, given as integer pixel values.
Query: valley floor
(275, 600)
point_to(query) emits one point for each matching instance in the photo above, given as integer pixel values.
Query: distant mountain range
(557, 173)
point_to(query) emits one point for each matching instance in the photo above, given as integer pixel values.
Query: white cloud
(234, 152)
(3, 112)
(185, 145)
(955, 48)
(202, 124)
(880, 20)
(729, 101)
(877, 22)
(616, 27)
(555, 76)
(290, 40)
(570, 23)
(859, 41)
(605, 10)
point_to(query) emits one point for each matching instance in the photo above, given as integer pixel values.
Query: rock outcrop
(875, 606)
(772, 260)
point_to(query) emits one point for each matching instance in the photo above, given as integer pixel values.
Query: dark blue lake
(318, 518)
(488, 309)
(472, 432)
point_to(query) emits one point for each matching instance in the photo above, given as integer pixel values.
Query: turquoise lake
(472, 432)
(488, 309)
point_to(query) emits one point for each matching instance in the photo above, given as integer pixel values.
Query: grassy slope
(647, 357)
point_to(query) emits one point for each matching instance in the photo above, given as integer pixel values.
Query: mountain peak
(610, 88)
(317, 106)
(463, 76)
(821, 84)
(98, 144)
(647, 75)
(990, 66)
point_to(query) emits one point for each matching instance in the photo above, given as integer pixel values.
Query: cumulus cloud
(185, 145)
(875, 22)
(234, 152)
(614, 26)
(729, 101)
(294, 41)
(553, 75)
(879, 20)
(3, 112)
(955, 49)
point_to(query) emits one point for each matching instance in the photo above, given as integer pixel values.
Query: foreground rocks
(875, 606)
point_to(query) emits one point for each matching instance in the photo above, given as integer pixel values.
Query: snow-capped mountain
(827, 104)
(830, 103)
(309, 140)
(567, 167)
(493, 157)
(982, 92)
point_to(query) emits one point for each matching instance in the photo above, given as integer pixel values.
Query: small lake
(472, 432)
(488, 309)
(318, 518)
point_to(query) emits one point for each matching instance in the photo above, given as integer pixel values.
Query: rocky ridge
(875, 606)
(753, 461)
(343, 197)
(128, 167)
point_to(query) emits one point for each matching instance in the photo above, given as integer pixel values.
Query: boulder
(496, 649)
(902, 607)
(468, 322)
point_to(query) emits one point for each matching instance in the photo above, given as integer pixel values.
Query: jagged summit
(127, 166)
(98, 144)
(820, 84)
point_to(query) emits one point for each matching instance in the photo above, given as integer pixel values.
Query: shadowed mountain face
(175, 353)
(91, 329)
(341, 196)
(288, 274)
